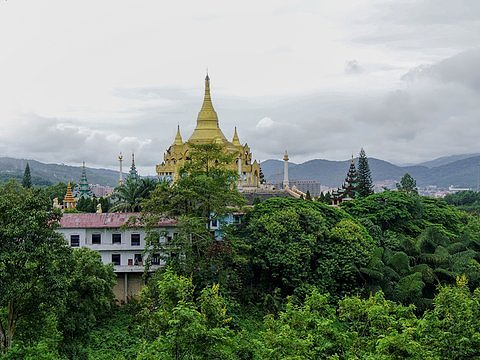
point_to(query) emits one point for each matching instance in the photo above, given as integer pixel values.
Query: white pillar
(285, 170)
(239, 163)
(120, 178)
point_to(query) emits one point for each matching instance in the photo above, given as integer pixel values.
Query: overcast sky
(84, 80)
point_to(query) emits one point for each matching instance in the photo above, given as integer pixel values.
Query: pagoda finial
(207, 114)
(83, 190)
(178, 137)
(235, 140)
(133, 169)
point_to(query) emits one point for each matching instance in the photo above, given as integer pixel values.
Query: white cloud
(265, 123)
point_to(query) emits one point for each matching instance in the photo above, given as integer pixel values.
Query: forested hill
(461, 173)
(47, 174)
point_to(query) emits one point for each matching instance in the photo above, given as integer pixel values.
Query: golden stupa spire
(207, 129)
(178, 137)
(69, 201)
(235, 140)
(207, 115)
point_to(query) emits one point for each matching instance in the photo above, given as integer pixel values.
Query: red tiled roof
(104, 220)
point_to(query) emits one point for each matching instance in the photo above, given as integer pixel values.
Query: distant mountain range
(458, 170)
(46, 174)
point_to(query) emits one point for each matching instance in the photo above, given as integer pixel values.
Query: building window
(116, 238)
(135, 239)
(75, 240)
(156, 259)
(138, 260)
(237, 219)
(214, 222)
(96, 239)
(116, 259)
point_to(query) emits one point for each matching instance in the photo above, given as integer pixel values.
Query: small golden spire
(178, 137)
(235, 140)
(69, 201)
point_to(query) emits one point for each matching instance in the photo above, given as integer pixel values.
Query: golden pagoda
(208, 131)
(69, 201)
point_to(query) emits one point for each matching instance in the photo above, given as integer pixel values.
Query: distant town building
(101, 190)
(313, 186)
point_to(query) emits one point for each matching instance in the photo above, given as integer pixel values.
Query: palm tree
(129, 195)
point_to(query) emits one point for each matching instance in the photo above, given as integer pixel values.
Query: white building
(122, 246)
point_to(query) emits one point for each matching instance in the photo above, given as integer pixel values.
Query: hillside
(462, 173)
(444, 160)
(45, 174)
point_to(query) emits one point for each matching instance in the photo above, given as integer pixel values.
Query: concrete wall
(128, 286)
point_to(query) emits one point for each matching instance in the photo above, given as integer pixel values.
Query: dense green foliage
(296, 244)
(89, 205)
(393, 275)
(421, 243)
(129, 195)
(465, 200)
(51, 296)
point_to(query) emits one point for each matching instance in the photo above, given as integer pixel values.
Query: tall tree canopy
(33, 258)
(205, 191)
(365, 183)
(407, 184)
(129, 196)
(27, 177)
(295, 244)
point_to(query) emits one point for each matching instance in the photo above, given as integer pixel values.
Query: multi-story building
(118, 244)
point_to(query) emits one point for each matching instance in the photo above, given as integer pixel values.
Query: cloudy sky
(84, 80)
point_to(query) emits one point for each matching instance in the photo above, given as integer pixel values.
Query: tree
(296, 244)
(56, 191)
(27, 178)
(451, 328)
(129, 195)
(180, 326)
(308, 196)
(365, 183)
(408, 184)
(307, 331)
(33, 259)
(205, 191)
(89, 297)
